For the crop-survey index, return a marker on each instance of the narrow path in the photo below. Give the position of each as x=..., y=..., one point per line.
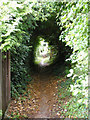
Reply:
x=46, y=92
x=39, y=100
x=46, y=96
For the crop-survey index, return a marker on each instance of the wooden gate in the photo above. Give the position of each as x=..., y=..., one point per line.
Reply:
x=5, y=80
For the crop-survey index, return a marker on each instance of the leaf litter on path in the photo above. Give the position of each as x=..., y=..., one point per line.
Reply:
x=40, y=99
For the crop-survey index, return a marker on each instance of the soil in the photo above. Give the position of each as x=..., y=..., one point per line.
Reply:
x=45, y=86
x=39, y=100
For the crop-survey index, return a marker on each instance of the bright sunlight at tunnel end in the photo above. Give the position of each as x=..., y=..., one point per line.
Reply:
x=44, y=54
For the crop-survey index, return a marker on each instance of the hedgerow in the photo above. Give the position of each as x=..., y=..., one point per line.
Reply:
x=18, y=21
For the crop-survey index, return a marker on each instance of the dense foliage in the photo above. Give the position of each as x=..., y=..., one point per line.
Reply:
x=19, y=66
x=18, y=21
x=76, y=36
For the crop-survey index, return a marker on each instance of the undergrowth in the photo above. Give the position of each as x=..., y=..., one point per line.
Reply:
x=71, y=106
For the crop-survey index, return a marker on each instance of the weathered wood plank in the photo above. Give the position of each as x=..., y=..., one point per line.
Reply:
x=0, y=83
x=5, y=81
x=4, y=84
x=8, y=76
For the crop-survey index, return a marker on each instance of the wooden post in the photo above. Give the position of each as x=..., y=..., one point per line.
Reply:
x=8, y=76
x=0, y=83
x=5, y=81
x=4, y=84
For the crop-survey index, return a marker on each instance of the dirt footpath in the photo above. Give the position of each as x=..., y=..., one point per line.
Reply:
x=39, y=100
x=45, y=88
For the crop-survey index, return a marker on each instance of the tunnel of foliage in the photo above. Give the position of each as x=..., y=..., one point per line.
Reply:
x=62, y=24
x=22, y=54
x=50, y=31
